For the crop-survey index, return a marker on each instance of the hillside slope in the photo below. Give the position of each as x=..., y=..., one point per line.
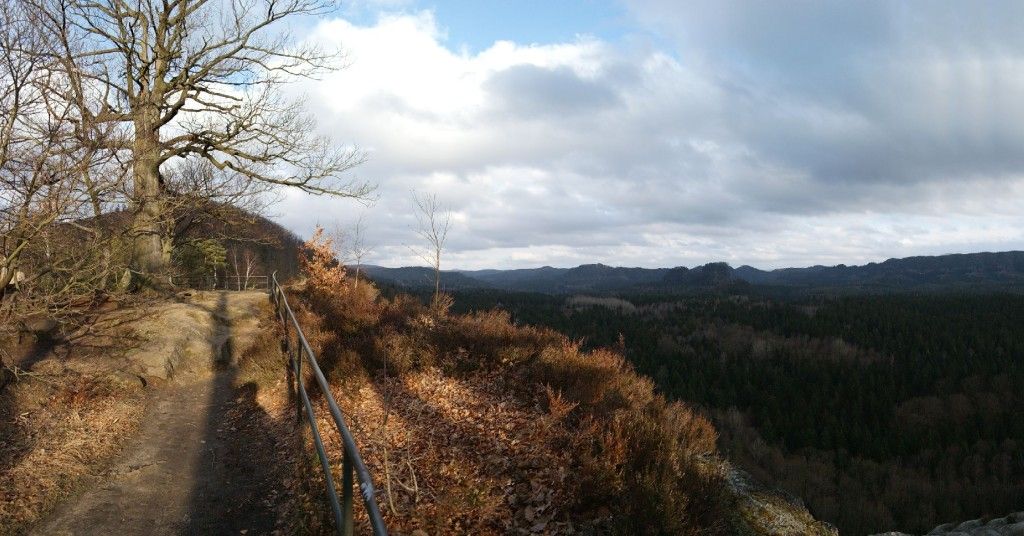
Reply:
x=468, y=423
x=471, y=424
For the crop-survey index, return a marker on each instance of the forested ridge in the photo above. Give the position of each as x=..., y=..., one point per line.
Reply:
x=891, y=412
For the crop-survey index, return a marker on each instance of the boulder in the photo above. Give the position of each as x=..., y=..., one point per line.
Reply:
x=968, y=525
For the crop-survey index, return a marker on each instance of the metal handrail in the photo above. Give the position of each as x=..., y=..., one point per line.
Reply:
x=224, y=282
x=350, y=459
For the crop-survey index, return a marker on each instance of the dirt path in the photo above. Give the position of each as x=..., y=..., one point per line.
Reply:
x=181, y=475
x=197, y=466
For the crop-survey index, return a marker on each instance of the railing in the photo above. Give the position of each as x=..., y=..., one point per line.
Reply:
x=246, y=282
x=350, y=458
x=224, y=282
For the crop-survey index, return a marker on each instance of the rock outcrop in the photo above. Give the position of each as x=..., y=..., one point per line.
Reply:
x=182, y=338
x=165, y=341
x=766, y=512
x=1011, y=525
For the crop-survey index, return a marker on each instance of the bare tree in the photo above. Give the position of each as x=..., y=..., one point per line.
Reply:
x=249, y=259
x=358, y=246
x=54, y=183
x=15, y=202
x=250, y=263
x=352, y=246
x=30, y=198
x=339, y=237
x=196, y=79
x=197, y=193
x=432, y=224
x=45, y=171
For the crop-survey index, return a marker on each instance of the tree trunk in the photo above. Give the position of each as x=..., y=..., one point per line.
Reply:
x=437, y=275
x=149, y=256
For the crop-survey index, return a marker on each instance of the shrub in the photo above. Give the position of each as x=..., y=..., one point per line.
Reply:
x=199, y=259
x=331, y=292
x=601, y=380
x=649, y=463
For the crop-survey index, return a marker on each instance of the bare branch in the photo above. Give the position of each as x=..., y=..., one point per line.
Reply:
x=433, y=222
x=182, y=80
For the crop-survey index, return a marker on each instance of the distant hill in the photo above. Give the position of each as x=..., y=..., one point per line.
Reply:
x=584, y=278
x=421, y=277
x=985, y=269
x=992, y=271
x=266, y=244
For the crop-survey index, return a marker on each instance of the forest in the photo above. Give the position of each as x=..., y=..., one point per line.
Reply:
x=881, y=412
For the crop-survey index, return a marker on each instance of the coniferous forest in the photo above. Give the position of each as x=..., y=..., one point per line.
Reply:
x=880, y=412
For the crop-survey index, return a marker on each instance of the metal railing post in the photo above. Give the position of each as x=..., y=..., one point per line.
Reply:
x=346, y=493
x=353, y=468
x=297, y=360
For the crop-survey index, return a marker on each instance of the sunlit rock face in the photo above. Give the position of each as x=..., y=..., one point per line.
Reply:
x=1011, y=525
x=765, y=512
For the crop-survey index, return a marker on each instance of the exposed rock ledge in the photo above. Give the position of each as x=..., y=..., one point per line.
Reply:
x=182, y=338
x=766, y=512
x=1011, y=525
x=169, y=341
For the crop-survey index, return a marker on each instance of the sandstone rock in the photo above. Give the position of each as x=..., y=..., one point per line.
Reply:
x=191, y=337
x=768, y=512
x=968, y=525
x=1011, y=525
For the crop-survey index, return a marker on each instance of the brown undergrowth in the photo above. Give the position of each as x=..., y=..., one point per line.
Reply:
x=62, y=419
x=263, y=412
x=471, y=424
x=66, y=419
x=57, y=428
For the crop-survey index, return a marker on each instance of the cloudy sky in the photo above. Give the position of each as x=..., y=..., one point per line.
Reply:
x=664, y=133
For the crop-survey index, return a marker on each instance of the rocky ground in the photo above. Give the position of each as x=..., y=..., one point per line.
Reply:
x=1011, y=525
x=127, y=425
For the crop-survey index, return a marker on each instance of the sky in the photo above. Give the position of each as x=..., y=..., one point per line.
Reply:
x=660, y=133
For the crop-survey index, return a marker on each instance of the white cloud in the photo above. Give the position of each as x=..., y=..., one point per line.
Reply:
x=622, y=153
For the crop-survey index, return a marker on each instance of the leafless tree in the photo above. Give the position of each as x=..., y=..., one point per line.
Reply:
x=249, y=259
x=352, y=245
x=30, y=194
x=54, y=182
x=358, y=246
x=432, y=224
x=197, y=193
x=174, y=80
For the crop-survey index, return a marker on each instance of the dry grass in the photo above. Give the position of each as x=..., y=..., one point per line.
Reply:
x=462, y=455
x=263, y=379
x=635, y=462
x=65, y=421
x=65, y=429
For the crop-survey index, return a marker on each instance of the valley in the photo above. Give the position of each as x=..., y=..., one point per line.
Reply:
x=881, y=412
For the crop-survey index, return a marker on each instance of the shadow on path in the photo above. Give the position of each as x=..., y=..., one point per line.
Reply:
x=233, y=485
x=201, y=464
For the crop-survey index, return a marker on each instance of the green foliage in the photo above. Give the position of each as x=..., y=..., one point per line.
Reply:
x=881, y=412
x=199, y=258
